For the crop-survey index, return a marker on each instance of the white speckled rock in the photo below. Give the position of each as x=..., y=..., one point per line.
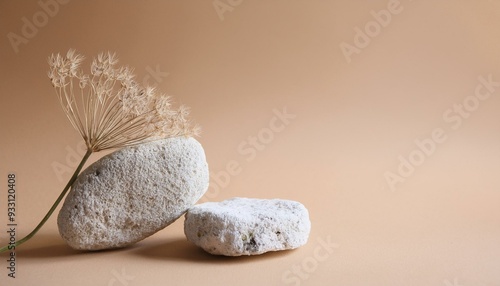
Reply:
x=132, y=193
x=242, y=226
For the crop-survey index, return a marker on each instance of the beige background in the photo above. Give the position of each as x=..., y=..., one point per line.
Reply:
x=441, y=226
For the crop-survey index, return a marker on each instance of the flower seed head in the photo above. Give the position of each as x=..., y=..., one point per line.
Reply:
x=109, y=108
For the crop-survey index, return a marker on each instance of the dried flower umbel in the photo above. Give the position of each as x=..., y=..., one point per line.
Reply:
x=110, y=110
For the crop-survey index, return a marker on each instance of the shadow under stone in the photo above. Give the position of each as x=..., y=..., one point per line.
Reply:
x=181, y=249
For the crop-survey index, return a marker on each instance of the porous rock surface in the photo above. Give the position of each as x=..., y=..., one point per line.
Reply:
x=132, y=193
x=244, y=226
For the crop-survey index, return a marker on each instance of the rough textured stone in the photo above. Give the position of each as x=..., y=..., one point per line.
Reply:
x=242, y=226
x=132, y=193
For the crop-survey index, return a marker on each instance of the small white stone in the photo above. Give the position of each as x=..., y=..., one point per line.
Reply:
x=132, y=193
x=243, y=226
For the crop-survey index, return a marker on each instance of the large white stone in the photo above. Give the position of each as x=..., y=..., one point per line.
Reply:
x=132, y=193
x=242, y=226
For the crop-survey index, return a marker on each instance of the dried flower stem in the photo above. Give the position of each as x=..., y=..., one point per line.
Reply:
x=54, y=206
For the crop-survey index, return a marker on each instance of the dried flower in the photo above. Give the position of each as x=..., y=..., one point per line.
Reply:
x=110, y=110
